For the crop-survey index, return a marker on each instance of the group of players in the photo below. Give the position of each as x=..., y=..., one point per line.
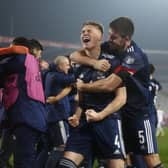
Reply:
x=103, y=101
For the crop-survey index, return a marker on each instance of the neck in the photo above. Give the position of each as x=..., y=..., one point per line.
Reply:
x=93, y=53
x=127, y=44
x=151, y=77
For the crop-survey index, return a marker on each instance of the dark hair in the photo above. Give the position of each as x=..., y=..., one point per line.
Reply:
x=123, y=25
x=95, y=24
x=151, y=68
x=35, y=44
x=21, y=41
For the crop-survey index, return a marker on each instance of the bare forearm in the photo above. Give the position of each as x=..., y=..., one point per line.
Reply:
x=104, y=85
x=78, y=112
x=116, y=104
x=63, y=93
x=80, y=59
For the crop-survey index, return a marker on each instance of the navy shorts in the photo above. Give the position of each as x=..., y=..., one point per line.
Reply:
x=103, y=139
x=57, y=133
x=139, y=135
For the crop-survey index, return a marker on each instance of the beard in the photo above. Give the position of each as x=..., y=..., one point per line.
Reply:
x=116, y=48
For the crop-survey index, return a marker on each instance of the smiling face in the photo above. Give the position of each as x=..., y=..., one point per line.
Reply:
x=120, y=33
x=91, y=36
x=116, y=41
x=64, y=65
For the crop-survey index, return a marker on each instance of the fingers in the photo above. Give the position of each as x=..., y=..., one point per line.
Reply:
x=105, y=65
x=48, y=100
x=89, y=116
x=102, y=65
x=79, y=80
x=70, y=118
x=73, y=121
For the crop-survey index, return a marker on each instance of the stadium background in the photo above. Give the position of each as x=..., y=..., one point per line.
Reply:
x=56, y=23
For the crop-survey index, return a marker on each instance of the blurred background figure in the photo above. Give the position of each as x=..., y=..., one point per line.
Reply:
x=160, y=116
x=155, y=85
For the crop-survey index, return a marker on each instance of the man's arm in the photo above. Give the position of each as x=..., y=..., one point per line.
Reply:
x=104, y=85
x=81, y=58
x=62, y=94
x=117, y=103
x=15, y=49
x=114, y=106
x=74, y=120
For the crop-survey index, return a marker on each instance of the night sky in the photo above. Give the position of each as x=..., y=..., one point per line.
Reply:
x=60, y=21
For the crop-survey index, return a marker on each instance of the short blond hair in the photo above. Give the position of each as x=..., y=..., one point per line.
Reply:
x=95, y=24
x=59, y=59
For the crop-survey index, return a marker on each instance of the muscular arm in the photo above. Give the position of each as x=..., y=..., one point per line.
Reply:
x=117, y=102
x=104, y=85
x=81, y=58
x=114, y=106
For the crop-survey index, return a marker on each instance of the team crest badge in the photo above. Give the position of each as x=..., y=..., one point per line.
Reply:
x=129, y=60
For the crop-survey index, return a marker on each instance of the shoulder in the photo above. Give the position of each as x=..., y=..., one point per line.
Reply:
x=77, y=53
x=134, y=55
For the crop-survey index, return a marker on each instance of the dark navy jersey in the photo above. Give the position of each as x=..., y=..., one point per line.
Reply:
x=72, y=101
x=96, y=101
x=154, y=87
x=25, y=110
x=55, y=82
x=134, y=61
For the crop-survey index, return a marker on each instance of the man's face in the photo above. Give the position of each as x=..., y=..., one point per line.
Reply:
x=116, y=41
x=37, y=53
x=64, y=66
x=90, y=37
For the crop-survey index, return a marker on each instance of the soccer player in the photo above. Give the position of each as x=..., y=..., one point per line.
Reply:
x=154, y=88
x=56, y=80
x=134, y=73
x=36, y=48
x=160, y=130
x=99, y=127
x=24, y=101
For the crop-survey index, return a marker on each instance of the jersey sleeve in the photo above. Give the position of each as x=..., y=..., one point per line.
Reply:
x=131, y=64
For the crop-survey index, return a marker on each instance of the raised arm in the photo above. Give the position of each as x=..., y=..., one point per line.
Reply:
x=104, y=85
x=81, y=58
x=114, y=106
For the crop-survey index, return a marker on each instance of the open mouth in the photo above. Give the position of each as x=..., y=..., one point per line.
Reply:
x=86, y=39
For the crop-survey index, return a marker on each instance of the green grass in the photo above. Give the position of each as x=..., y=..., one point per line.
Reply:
x=163, y=147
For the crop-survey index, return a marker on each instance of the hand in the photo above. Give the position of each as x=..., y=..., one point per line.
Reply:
x=93, y=116
x=73, y=121
x=102, y=65
x=79, y=84
x=51, y=100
